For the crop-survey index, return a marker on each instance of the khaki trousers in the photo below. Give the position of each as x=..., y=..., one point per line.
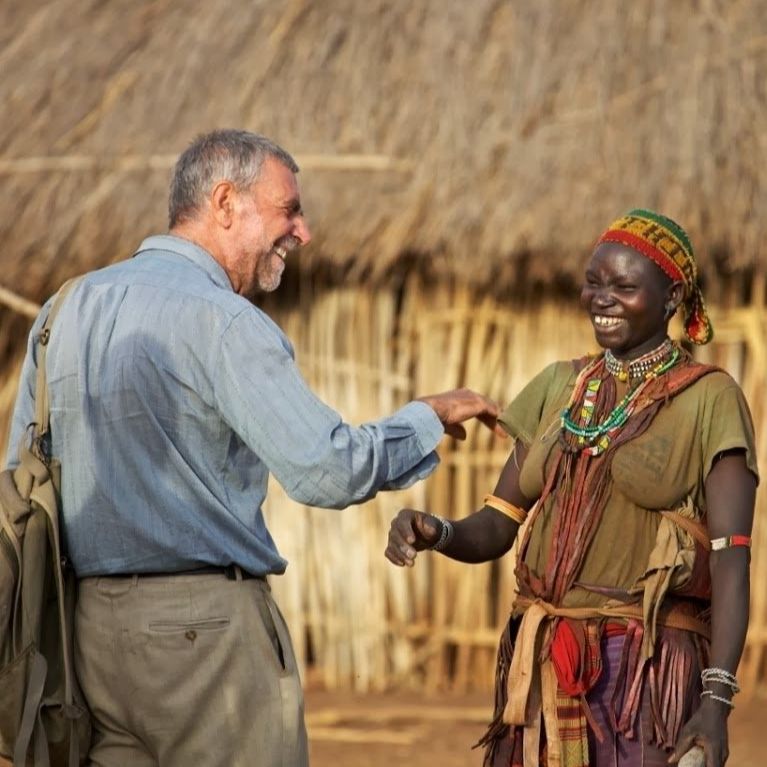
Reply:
x=188, y=671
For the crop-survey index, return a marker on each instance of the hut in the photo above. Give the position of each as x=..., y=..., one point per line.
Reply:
x=458, y=160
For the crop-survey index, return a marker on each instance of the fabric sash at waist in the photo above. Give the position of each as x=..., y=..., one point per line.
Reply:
x=532, y=685
x=673, y=616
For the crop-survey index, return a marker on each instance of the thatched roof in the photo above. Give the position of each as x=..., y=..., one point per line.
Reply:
x=488, y=140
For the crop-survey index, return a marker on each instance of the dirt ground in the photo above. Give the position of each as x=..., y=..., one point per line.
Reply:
x=351, y=730
x=347, y=730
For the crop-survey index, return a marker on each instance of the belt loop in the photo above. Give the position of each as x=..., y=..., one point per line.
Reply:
x=237, y=573
x=134, y=580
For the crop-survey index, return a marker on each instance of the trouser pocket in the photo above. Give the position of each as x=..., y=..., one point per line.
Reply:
x=268, y=619
x=204, y=624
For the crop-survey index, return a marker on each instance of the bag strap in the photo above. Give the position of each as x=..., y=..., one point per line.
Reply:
x=35, y=464
x=38, y=671
x=42, y=409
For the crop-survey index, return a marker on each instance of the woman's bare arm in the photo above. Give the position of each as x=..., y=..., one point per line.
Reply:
x=484, y=535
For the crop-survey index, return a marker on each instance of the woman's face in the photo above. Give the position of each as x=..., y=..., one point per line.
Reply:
x=627, y=297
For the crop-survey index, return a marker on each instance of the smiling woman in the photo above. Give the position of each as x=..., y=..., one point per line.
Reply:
x=637, y=467
x=629, y=300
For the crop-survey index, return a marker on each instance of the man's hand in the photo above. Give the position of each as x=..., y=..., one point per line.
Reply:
x=456, y=406
x=411, y=531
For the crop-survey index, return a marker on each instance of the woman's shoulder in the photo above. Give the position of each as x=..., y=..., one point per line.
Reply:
x=544, y=392
x=565, y=370
x=711, y=380
x=712, y=393
x=557, y=378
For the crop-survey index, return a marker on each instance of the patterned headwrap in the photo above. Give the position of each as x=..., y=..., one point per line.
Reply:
x=666, y=243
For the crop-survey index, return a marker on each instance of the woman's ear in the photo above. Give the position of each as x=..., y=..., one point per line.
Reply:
x=674, y=297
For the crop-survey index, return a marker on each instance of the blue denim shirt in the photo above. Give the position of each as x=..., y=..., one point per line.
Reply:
x=172, y=398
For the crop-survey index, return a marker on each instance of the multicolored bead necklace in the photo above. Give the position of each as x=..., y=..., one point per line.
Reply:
x=639, y=367
x=596, y=439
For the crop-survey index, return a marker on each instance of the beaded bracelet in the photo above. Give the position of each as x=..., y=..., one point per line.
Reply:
x=445, y=536
x=509, y=509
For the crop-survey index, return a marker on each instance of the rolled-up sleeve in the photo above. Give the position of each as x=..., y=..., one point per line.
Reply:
x=318, y=458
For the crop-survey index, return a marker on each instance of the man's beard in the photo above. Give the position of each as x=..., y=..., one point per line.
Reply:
x=269, y=272
x=271, y=266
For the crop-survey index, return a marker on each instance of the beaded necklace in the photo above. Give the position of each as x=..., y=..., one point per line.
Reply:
x=639, y=367
x=596, y=439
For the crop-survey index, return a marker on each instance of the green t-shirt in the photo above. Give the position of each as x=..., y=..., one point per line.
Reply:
x=657, y=470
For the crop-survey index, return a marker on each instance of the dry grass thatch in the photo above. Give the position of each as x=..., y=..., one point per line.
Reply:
x=488, y=139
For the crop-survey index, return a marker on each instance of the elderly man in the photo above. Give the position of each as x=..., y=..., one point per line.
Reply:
x=172, y=398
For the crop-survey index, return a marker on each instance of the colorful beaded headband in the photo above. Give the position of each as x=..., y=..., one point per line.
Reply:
x=666, y=243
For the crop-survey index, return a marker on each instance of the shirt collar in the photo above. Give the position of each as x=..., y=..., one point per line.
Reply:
x=189, y=250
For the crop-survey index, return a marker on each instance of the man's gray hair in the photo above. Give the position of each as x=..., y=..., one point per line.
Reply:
x=223, y=155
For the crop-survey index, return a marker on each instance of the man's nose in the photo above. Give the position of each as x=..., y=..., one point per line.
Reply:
x=301, y=230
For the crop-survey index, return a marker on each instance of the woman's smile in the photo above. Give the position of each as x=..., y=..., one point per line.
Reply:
x=606, y=321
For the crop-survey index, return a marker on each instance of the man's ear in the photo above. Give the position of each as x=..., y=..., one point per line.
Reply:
x=222, y=203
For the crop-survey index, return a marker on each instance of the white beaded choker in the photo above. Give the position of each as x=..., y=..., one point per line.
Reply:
x=639, y=367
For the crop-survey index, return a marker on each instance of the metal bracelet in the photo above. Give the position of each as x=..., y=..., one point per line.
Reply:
x=720, y=676
x=708, y=693
x=717, y=671
x=446, y=535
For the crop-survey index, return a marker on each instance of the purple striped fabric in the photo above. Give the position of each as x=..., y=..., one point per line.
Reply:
x=617, y=750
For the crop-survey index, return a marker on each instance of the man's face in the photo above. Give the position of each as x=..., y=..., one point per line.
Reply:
x=268, y=225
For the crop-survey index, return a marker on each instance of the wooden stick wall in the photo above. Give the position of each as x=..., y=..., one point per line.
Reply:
x=356, y=620
x=360, y=622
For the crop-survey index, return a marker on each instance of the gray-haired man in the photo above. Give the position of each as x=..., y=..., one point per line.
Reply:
x=173, y=397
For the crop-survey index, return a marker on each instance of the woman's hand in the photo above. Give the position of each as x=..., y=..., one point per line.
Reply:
x=706, y=728
x=411, y=531
x=481, y=537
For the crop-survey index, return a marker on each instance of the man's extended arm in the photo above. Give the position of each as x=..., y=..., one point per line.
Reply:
x=317, y=457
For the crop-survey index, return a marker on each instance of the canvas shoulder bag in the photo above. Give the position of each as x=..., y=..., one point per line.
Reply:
x=44, y=721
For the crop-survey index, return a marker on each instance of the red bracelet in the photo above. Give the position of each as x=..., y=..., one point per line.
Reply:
x=729, y=541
